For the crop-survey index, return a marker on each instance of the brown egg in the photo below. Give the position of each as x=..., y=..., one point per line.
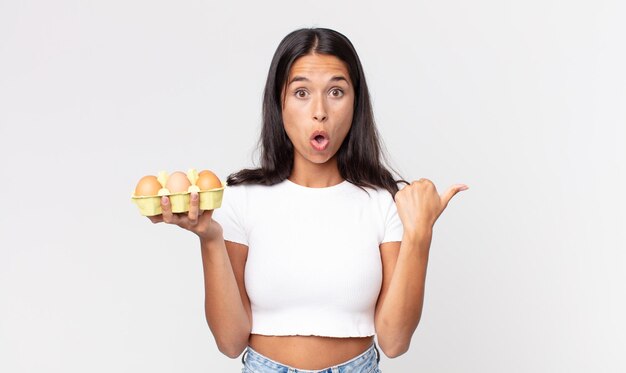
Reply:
x=147, y=186
x=178, y=182
x=208, y=180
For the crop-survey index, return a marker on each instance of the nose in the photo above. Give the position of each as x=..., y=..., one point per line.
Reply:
x=319, y=110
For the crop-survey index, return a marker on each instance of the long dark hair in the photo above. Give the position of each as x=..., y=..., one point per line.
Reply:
x=360, y=157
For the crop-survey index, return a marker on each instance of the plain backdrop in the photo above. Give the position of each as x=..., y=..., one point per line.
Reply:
x=524, y=101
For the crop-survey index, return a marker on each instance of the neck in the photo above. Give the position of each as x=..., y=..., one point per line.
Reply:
x=316, y=175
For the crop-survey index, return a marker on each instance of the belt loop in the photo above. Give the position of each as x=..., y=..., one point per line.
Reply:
x=377, y=354
x=243, y=356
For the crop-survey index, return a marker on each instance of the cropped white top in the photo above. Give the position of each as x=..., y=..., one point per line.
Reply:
x=313, y=264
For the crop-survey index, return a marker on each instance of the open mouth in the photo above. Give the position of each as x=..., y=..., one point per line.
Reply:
x=319, y=140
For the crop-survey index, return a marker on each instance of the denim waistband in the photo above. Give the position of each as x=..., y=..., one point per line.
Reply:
x=369, y=359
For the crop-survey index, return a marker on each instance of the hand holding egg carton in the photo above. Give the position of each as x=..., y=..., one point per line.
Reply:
x=178, y=187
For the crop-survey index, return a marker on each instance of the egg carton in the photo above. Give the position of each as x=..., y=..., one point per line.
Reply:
x=151, y=205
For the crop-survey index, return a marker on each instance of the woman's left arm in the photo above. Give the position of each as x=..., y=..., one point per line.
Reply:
x=400, y=302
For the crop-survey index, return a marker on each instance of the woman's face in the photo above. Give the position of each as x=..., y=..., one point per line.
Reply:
x=318, y=104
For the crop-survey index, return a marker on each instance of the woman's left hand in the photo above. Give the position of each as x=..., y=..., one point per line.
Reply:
x=419, y=205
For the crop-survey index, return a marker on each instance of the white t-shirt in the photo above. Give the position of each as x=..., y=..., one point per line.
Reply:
x=314, y=265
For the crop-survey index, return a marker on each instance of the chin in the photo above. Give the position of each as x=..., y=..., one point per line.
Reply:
x=319, y=159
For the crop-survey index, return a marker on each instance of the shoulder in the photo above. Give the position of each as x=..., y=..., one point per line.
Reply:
x=234, y=192
x=377, y=200
x=242, y=194
x=244, y=189
x=379, y=195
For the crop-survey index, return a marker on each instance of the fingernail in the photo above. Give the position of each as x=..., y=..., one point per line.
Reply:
x=194, y=196
x=164, y=200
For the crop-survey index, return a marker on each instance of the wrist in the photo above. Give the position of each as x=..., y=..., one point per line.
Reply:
x=418, y=240
x=211, y=235
x=206, y=243
x=418, y=235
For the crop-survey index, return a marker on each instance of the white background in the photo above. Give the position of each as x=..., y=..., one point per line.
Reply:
x=524, y=101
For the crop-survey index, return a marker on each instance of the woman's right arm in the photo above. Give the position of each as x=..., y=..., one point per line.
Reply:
x=228, y=318
x=225, y=313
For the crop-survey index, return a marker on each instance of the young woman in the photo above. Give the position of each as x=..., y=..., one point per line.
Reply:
x=309, y=256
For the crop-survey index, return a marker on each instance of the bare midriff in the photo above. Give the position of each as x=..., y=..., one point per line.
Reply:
x=309, y=352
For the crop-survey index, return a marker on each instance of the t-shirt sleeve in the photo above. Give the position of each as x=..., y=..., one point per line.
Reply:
x=230, y=215
x=393, y=225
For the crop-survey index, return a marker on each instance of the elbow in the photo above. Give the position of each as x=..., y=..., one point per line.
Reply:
x=232, y=344
x=394, y=350
x=232, y=350
x=231, y=341
x=394, y=342
x=394, y=339
x=232, y=353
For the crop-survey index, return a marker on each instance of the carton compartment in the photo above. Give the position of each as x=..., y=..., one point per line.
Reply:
x=151, y=206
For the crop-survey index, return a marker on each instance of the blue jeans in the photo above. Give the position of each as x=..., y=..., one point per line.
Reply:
x=367, y=362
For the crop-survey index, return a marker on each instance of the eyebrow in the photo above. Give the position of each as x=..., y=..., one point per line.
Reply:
x=335, y=78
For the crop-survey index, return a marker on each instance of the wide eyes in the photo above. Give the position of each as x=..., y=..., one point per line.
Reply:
x=336, y=92
x=333, y=92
